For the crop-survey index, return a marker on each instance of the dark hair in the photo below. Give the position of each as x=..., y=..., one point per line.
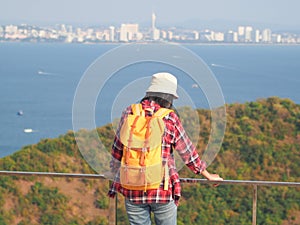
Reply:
x=161, y=101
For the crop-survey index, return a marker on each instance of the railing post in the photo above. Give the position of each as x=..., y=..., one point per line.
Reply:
x=112, y=212
x=116, y=209
x=254, y=206
x=112, y=209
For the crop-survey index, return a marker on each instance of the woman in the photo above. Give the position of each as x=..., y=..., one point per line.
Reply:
x=161, y=201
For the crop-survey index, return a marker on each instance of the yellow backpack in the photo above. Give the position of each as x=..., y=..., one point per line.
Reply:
x=141, y=164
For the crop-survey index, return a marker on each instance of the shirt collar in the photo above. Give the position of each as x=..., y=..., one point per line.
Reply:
x=152, y=105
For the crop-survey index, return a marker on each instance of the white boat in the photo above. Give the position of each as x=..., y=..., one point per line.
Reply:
x=41, y=72
x=28, y=130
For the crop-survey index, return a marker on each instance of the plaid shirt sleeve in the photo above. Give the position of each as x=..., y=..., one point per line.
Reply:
x=185, y=148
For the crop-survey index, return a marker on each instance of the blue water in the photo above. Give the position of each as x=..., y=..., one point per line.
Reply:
x=41, y=79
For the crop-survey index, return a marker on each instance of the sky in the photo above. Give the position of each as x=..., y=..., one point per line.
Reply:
x=222, y=13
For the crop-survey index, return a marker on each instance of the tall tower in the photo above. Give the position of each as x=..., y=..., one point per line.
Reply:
x=154, y=30
x=153, y=21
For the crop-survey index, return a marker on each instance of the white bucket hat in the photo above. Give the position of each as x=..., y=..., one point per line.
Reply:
x=163, y=83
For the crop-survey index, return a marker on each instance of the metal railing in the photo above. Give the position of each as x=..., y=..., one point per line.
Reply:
x=254, y=184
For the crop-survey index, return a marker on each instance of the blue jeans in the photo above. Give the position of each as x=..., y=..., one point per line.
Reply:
x=139, y=214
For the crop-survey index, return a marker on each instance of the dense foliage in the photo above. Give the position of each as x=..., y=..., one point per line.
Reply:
x=262, y=142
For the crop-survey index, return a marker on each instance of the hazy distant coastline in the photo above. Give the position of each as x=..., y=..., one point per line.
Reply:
x=133, y=32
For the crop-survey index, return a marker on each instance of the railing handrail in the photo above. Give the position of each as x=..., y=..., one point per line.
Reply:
x=253, y=183
x=52, y=174
x=242, y=182
x=184, y=180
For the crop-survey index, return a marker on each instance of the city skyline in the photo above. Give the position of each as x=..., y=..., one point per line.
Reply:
x=133, y=33
x=215, y=13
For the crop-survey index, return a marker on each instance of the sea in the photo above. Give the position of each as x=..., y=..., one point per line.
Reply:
x=39, y=82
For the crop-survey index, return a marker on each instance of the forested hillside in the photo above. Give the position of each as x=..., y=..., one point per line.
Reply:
x=262, y=142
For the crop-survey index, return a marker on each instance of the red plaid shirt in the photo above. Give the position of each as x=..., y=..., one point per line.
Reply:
x=174, y=137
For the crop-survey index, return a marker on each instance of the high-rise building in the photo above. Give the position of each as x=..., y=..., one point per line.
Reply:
x=230, y=36
x=155, y=32
x=248, y=34
x=196, y=35
x=218, y=36
x=257, y=36
x=266, y=35
x=163, y=34
x=241, y=33
x=112, y=33
x=241, y=30
x=170, y=35
x=130, y=32
x=63, y=29
x=276, y=38
x=123, y=33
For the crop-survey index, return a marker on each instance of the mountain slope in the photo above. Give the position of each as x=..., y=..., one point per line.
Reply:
x=262, y=142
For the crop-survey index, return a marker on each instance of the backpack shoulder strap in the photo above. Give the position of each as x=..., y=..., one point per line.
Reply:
x=137, y=109
x=162, y=112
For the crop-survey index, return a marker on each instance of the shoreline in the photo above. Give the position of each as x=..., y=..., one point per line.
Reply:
x=151, y=42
